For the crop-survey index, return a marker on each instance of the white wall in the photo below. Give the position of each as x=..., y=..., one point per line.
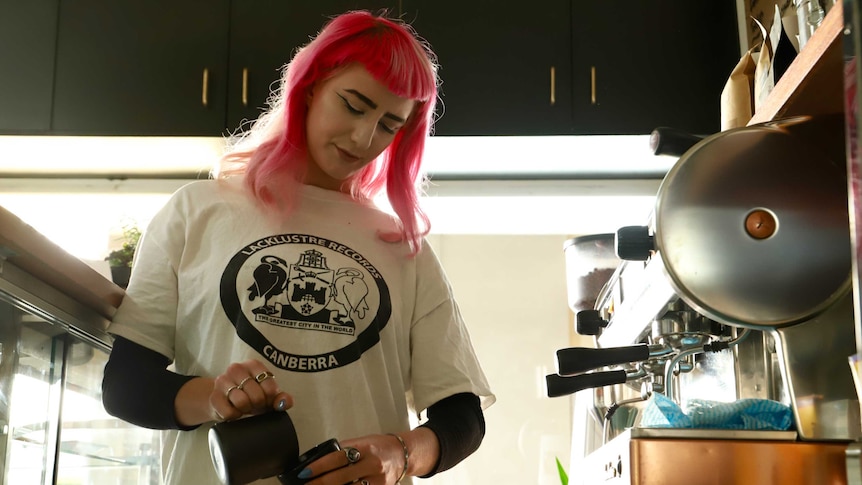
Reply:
x=511, y=291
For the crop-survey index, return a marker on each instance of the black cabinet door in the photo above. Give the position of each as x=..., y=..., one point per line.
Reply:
x=264, y=35
x=141, y=67
x=640, y=64
x=505, y=67
x=27, y=42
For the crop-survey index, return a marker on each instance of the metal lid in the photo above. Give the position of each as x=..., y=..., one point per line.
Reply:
x=713, y=215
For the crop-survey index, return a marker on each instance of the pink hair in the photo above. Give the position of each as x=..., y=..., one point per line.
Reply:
x=273, y=153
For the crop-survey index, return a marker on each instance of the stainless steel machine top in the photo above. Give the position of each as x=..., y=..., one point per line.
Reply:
x=752, y=226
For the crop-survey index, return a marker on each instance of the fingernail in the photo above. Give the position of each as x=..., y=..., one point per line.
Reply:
x=281, y=405
x=305, y=473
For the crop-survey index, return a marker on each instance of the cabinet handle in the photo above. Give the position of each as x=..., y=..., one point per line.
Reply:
x=205, y=88
x=245, y=86
x=593, y=84
x=553, y=85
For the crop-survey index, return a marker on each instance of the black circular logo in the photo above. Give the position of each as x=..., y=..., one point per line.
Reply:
x=304, y=283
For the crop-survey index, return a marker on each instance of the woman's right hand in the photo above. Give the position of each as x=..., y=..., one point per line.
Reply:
x=246, y=388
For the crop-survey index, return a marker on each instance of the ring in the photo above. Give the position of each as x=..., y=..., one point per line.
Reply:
x=365, y=482
x=352, y=455
x=242, y=382
x=263, y=376
x=231, y=388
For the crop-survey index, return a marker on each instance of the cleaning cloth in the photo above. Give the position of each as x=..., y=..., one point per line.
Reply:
x=754, y=414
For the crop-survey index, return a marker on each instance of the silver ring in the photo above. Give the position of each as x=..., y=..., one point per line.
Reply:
x=242, y=382
x=231, y=388
x=352, y=455
x=263, y=376
x=365, y=482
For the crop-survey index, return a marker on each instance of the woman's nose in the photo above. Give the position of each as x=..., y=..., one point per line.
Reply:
x=363, y=133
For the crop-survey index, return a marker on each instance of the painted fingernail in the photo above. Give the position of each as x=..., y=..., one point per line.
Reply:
x=305, y=473
x=281, y=405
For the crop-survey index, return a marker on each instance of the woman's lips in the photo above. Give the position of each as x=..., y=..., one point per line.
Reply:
x=347, y=155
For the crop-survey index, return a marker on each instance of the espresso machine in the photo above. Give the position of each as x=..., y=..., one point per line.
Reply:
x=736, y=288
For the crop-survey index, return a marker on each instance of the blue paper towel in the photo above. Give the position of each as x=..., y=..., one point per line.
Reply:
x=755, y=414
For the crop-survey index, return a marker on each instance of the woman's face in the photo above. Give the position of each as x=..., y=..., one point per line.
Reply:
x=351, y=119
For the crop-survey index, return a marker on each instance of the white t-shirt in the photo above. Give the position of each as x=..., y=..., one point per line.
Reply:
x=358, y=332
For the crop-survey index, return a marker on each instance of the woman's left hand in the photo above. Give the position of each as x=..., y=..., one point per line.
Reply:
x=380, y=462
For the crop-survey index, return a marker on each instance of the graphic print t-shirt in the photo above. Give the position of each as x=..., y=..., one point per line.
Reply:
x=331, y=310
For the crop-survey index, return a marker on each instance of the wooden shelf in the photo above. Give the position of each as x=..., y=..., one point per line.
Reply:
x=814, y=83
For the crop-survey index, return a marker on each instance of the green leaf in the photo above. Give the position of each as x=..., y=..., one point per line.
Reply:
x=564, y=478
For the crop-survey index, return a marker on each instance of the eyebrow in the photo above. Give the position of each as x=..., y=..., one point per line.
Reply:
x=365, y=99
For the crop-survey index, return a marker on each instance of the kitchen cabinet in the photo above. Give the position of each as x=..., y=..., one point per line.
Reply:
x=505, y=70
x=609, y=67
x=204, y=67
x=641, y=64
x=27, y=42
x=176, y=67
x=264, y=35
x=141, y=67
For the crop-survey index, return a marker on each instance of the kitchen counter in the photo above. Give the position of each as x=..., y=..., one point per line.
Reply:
x=41, y=277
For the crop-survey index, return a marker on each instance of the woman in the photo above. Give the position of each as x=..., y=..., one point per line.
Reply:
x=279, y=285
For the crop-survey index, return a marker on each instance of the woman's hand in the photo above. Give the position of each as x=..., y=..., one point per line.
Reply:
x=380, y=462
x=246, y=388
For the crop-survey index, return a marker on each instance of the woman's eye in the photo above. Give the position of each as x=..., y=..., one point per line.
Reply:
x=387, y=129
x=350, y=106
x=352, y=109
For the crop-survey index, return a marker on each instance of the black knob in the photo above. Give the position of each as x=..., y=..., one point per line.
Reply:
x=634, y=243
x=589, y=322
x=563, y=386
x=670, y=141
x=576, y=360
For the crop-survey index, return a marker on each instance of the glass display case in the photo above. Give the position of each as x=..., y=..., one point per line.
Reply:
x=54, y=428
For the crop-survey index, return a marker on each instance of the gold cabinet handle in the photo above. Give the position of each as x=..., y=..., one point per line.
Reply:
x=593, y=84
x=553, y=85
x=245, y=86
x=205, y=88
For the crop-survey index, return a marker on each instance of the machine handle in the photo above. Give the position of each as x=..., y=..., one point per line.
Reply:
x=670, y=141
x=589, y=322
x=563, y=386
x=634, y=243
x=576, y=360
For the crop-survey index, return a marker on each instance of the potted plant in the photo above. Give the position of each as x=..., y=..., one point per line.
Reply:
x=120, y=260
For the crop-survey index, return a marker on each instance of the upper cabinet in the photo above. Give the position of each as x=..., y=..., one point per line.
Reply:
x=141, y=67
x=264, y=35
x=641, y=64
x=608, y=67
x=208, y=67
x=27, y=41
x=176, y=67
x=505, y=69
